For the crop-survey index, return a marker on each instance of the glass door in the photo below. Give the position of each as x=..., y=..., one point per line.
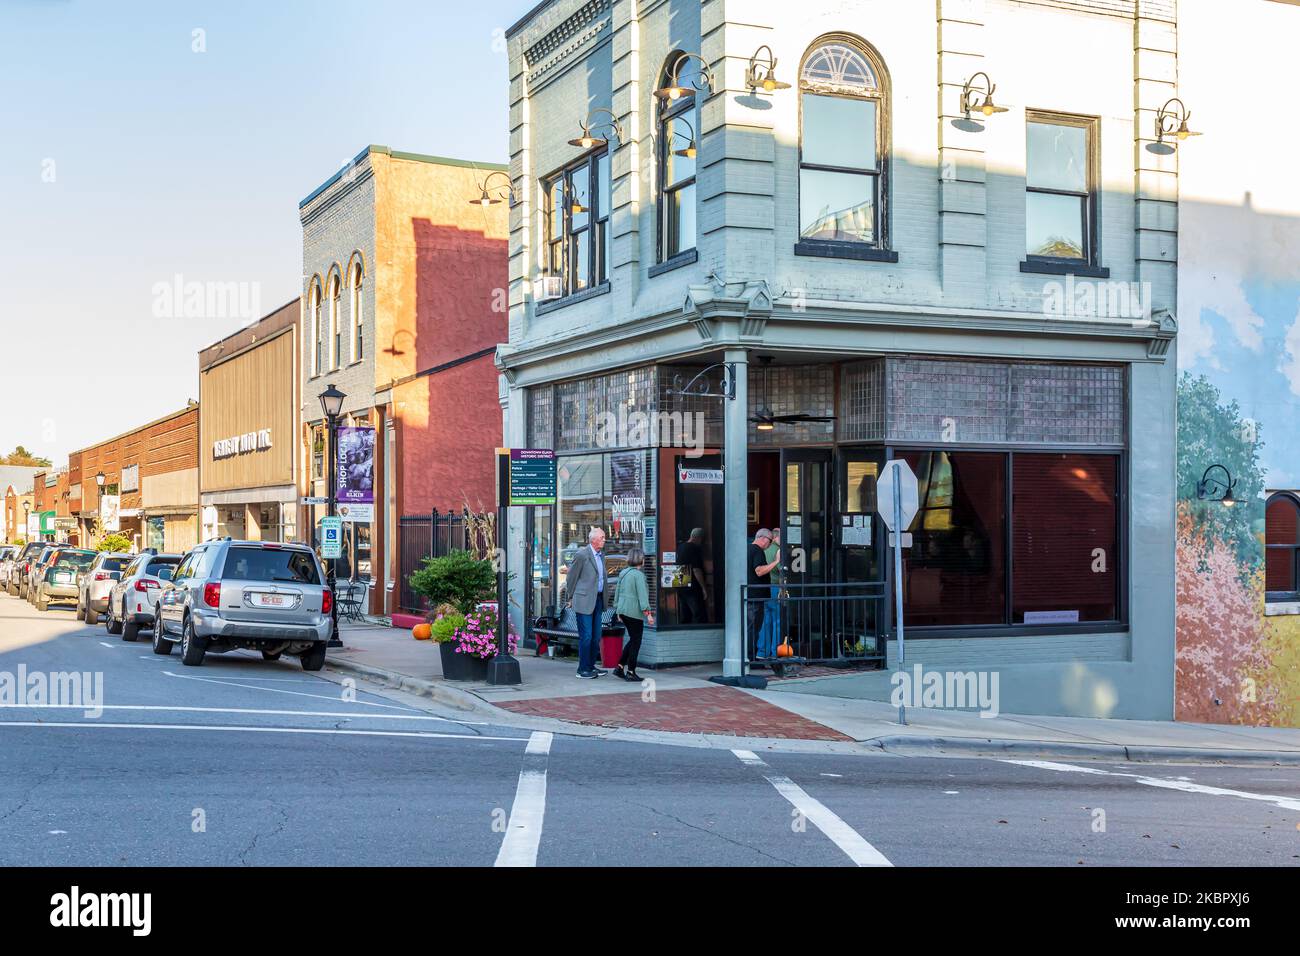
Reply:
x=805, y=550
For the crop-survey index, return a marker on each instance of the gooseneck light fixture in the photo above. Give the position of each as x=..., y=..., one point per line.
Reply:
x=1171, y=122
x=589, y=140
x=491, y=195
x=761, y=74
x=689, y=150
x=1213, y=488
x=977, y=97
x=674, y=89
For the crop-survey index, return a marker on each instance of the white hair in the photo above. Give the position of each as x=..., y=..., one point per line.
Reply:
x=591, y=535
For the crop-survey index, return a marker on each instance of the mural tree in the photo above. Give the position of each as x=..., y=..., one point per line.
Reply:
x=1211, y=432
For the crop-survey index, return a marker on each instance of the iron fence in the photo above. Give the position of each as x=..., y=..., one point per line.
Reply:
x=431, y=535
x=837, y=623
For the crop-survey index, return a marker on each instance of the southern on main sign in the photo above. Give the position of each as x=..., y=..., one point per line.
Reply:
x=896, y=472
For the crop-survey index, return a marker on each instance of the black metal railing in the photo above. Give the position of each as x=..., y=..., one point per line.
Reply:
x=431, y=535
x=835, y=623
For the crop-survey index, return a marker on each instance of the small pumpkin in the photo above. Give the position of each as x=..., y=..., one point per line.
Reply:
x=784, y=650
x=422, y=632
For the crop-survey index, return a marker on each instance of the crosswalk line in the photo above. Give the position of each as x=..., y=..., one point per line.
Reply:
x=524, y=829
x=822, y=817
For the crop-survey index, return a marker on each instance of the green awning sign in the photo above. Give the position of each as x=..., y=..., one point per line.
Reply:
x=47, y=522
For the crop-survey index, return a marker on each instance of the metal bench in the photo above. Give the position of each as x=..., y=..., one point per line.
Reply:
x=562, y=630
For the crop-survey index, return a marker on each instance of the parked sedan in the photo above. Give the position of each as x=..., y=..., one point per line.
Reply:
x=96, y=582
x=43, y=560
x=59, y=582
x=7, y=554
x=133, y=600
x=23, y=567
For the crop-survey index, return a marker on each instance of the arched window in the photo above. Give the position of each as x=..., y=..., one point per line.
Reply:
x=844, y=146
x=677, y=133
x=313, y=308
x=1282, y=548
x=355, y=280
x=336, y=321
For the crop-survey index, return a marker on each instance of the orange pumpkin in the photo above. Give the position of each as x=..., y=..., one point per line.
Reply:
x=422, y=632
x=784, y=650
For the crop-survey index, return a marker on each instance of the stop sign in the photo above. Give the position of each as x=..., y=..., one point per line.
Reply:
x=896, y=473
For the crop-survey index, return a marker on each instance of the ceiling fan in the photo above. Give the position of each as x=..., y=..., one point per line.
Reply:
x=765, y=421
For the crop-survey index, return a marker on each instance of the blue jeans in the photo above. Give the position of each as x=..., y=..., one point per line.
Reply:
x=769, y=634
x=589, y=635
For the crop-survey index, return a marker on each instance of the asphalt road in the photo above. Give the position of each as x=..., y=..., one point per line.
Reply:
x=248, y=762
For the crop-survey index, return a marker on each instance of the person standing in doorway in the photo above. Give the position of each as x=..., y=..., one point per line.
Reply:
x=586, y=585
x=770, y=636
x=757, y=569
x=632, y=601
x=695, y=597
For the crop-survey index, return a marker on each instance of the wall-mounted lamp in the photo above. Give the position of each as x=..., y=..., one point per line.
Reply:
x=674, y=90
x=977, y=97
x=689, y=150
x=589, y=140
x=488, y=198
x=1215, y=488
x=1171, y=123
x=761, y=74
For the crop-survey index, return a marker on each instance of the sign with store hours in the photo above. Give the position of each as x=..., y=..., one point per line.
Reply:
x=532, y=476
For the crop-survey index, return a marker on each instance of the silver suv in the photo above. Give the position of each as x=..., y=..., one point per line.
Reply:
x=257, y=595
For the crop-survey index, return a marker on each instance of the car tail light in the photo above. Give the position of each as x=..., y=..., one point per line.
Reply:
x=102, y=576
x=146, y=585
x=212, y=594
x=326, y=601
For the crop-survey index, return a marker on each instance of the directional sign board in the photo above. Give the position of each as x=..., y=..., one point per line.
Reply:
x=532, y=476
x=331, y=538
x=906, y=482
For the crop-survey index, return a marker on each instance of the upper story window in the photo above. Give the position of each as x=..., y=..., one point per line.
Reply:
x=678, y=142
x=1282, y=548
x=1060, y=189
x=355, y=279
x=336, y=321
x=844, y=145
x=313, y=308
x=576, y=224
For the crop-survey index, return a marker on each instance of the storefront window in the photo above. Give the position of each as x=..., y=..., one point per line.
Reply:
x=156, y=533
x=956, y=568
x=580, y=481
x=693, y=536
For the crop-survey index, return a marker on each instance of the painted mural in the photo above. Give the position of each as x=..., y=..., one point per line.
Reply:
x=1238, y=407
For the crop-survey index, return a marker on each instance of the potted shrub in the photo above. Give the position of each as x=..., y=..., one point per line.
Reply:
x=467, y=642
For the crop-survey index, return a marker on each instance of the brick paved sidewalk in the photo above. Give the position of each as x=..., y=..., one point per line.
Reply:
x=706, y=710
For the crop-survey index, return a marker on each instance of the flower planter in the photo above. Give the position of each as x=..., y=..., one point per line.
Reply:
x=462, y=666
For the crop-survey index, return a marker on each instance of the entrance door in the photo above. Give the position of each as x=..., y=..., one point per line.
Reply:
x=806, y=507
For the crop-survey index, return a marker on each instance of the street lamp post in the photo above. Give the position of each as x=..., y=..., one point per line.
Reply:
x=27, y=519
x=331, y=403
x=99, y=507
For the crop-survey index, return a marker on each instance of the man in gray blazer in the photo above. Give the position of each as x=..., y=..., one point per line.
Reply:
x=586, y=587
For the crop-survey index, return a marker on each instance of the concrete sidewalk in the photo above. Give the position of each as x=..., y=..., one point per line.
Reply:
x=681, y=705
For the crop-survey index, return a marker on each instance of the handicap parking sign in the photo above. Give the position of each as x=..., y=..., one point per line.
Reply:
x=331, y=538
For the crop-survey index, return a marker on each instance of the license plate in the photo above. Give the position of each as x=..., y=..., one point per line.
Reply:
x=272, y=600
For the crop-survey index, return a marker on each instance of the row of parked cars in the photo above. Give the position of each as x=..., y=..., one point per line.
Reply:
x=219, y=596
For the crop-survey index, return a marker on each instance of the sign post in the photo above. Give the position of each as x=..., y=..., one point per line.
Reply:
x=896, y=494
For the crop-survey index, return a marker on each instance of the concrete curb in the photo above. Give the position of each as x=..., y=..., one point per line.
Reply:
x=897, y=744
x=436, y=690
x=1129, y=753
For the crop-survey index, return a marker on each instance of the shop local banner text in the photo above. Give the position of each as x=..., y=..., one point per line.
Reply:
x=356, y=466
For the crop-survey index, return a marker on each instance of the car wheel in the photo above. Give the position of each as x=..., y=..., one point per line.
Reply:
x=92, y=616
x=81, y=612
x=111, y=624
x=42, y=603
x=271, y=655
x=130, y=631
x=314, y=659
x=160, y=643
x=192, y=646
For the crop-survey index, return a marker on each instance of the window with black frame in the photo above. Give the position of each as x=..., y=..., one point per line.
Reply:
x=678, y=144
x=1060, y=190
x=843, y=155
x=1282, y=548
x=576, y=223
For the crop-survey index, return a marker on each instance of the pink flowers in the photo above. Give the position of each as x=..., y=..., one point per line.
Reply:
x=478, y=635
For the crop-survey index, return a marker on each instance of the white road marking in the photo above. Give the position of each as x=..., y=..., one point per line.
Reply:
x=837, y=775
x=952, y=792
x=524, y=829
x=823, y=818
x=1181, y=783
x=101, y=725
x=276, y=690
x=247, y=710
x=57, y=832
x=105, y=644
